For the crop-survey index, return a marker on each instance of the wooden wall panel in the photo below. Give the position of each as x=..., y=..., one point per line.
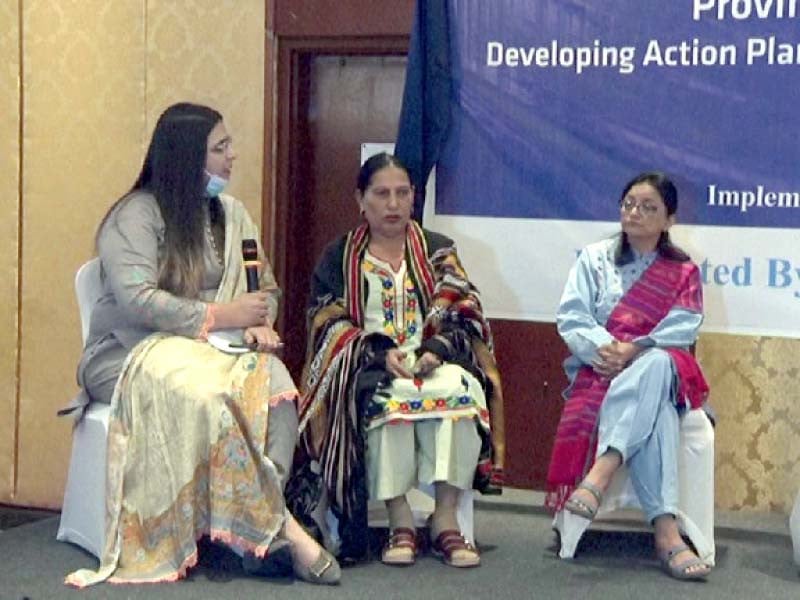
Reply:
x=334, y=18
x=95, y=76
x=9, y=239
x=529, y=356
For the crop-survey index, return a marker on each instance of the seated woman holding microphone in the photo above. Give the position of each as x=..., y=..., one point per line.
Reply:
x=630, y=312
x=200, y=438
x=399, y=380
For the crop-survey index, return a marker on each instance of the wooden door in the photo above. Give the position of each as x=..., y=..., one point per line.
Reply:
x=341, y=102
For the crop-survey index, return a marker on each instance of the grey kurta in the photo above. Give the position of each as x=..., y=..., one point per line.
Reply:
x=132, y=306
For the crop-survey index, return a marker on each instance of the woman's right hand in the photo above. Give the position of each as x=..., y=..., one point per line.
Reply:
x=395, y=363
x=265, y=337
x=248, y=310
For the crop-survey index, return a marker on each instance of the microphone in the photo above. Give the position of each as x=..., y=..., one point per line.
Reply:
x=251, y=263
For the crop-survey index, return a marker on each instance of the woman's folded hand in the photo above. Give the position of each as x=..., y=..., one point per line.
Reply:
x=395, y=363
x=614, y=357
x=426, y=364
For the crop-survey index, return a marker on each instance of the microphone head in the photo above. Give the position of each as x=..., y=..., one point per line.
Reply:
x=249, y=249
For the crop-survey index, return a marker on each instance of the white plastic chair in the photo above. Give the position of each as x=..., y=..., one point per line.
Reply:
x=696, y=488
x=83, y=509
x=794, y=528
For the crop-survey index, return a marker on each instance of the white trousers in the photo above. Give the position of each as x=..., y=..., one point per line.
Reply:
x=402, y=455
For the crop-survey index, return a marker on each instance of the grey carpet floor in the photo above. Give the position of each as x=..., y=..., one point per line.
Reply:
x=519, y=561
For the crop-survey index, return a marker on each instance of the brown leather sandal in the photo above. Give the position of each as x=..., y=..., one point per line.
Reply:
x=455, y=551
x=401, y=549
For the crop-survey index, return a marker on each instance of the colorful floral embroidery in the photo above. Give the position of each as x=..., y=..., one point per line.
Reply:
x=398, y=327
x=422, y=406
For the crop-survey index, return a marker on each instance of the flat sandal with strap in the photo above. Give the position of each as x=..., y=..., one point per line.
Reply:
x=325, y=570
x=681, y=570
x=450, y=541
x=578, y=507
x=401, y=548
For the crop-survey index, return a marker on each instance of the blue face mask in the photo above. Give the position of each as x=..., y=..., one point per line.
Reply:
x=214, y=185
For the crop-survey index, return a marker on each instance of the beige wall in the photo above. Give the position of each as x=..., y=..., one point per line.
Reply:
x=754, y=389
x=95, y=77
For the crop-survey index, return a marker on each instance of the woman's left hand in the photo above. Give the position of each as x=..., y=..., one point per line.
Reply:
x=263, y=335
x=426, y=364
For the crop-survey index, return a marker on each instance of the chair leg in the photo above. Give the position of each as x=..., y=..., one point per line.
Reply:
x=570, y=528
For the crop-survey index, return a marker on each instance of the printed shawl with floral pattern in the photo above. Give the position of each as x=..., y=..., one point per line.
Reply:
x=185, y=450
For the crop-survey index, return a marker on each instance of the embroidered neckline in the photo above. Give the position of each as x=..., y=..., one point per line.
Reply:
x=399, y=327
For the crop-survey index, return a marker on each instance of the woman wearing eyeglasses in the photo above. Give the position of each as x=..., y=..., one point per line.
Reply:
x=629, y=313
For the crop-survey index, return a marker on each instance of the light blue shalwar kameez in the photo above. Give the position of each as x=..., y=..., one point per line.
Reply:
x=639, y=415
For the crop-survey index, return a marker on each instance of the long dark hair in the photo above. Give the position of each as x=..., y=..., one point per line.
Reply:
x=174, y=173
x=669, y=194
x=374, y=164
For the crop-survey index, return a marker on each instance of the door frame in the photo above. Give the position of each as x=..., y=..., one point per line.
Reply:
x=285, y=140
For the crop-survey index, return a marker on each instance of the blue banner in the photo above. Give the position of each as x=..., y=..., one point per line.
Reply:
x=557, y=103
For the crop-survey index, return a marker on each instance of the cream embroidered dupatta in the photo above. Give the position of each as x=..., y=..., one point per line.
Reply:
x=186, y=443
